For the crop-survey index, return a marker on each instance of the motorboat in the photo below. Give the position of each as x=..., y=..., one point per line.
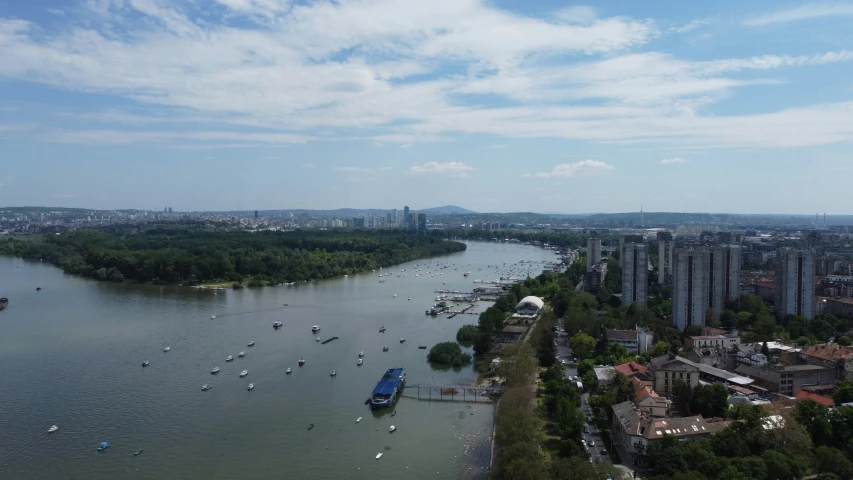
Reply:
x=276, y=325
x=146, y=363
x=104, y=446
x=391, y=429
x=301, y=362
x=384, y=349
x=241, y=354
x=244, y=373
x=136, y=453
x=402, y=340
x=422, y=347
x=229, y=358
x=213, y=317
x=360, y=361
x=251, y=386
x=360, y=354
x=310, y=426
x=251, y=344
x=382, y=328
x=289, y=370
x=395, y=295
x=315, y=329
x=379, y=455
x=358, y=419
x=334, y=373
x=167, y=349
x=394, y=413
x=205, y=387
x=214, y=371
x=318, y=339
x=52, y=429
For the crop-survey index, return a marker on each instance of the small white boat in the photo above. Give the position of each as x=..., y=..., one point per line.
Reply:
x=146, y=363
x=360, y=361
x=360, y=354
x=382, y=328
x=384, y=349
x=276, y=324
x=229, y=358
x=315, y=328
x=251, y=344
x=241, y=354
x=251, y=386
x=212, y=317
x=391, y=429
x=205, y=387
x=402, y=340
x=395, y=295
x=52, y=429
x=379, y=455
x=167, y=349
x=214, y=371
x=289, y=370
x=244, y=373
x=334, y=373
x=301, y=362
x=318, y=339
x=358, y=419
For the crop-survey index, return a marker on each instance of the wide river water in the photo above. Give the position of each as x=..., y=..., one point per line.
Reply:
x=71, y=355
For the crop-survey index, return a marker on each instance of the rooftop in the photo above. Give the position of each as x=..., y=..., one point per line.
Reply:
x=532, y=300
x=828, y=351
x=637, y=422
x=624, y=335
x=515, y=329
x=665, y=362
x=629, y=369
x=825, y=401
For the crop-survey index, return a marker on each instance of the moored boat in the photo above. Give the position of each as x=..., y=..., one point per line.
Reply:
x=334, y=373
x=391, y=429
x=3, y=303
x=289, y=370
x=388, y=389
x=382, y=328
x=276, y=325
x=205, y=387
x=301, y=362
x=241, y=354
x=244, y=373
x=402, y=340
x=167, y=349
x=104, y=446
x=229, y=358
x=384, y=349
x=251, y=386
x=251, y=344
x=146, y=363
x=360, y=361
x=137, y=452
x=214, y=371
x=315, y=329
x=360, y=354
x=52, y=429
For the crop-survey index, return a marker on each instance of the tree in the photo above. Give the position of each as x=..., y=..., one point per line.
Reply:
x=466, y=333
x=448, y=353
x=843, y=393
x=682, y=396
x=814, y=417
x=661, y=348
x=710, y=400
x=665, y=457
x=831, y=460
x=765, y=350
x=844, y=341
x=784, y=467
x=582, y=345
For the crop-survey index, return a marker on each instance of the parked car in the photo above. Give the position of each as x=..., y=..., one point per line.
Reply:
x=592, y=443
x=603, y=452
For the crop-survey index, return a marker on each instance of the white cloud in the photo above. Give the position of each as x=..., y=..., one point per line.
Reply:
x=584, y=167
x=803, y=12
x=690, y=26
x=406, y=145
x=308, y=165
x=673, y=161
x=457, y=168
x=258, y=72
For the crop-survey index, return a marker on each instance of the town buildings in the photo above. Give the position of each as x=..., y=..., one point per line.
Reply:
x=666, y=247
x=787, y=379
x=635, y=272
x=704, y=278
x=635, y=341
x=593, y=252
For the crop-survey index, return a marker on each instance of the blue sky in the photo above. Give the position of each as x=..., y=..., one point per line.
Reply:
x=723, y=106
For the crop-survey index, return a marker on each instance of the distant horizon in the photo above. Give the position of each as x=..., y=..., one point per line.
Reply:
x=400, y=209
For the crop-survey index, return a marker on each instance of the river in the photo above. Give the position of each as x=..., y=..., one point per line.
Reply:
x=71, y=355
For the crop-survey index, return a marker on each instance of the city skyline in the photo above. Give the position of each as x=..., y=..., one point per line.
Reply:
x=242, y=105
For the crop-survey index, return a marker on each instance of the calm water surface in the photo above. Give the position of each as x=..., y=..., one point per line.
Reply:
x=71, y=355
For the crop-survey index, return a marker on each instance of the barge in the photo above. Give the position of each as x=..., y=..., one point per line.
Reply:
x=390, y=386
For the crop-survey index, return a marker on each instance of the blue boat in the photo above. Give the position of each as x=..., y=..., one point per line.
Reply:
x=388, y=389
x=104, y=446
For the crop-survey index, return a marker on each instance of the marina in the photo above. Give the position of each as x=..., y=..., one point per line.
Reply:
x=99, y=334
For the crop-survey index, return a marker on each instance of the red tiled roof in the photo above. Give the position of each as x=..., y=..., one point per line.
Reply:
x=828, y=351
x=742, y=390
x=630, y=369
x=825, y=401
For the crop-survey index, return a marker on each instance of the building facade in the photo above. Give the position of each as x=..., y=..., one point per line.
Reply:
x=689, y=287
x=787, y=380
x=795, y=283
x=668, y=369
x=407, y=219
x=422, y=222
x=635, y=273
x=666, y=247
x=593, y=252
x=723, y=276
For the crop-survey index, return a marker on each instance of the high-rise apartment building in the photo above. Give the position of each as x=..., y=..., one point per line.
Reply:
x=689, y=287
x=422, y=222
x=723, y=276
x=394, y=216
x=666, y=245
x=635, y=272
x=406, y=218
x=593, y=252
x=795, y=283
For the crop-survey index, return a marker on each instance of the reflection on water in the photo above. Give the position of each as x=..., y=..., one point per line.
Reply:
x=71, y=355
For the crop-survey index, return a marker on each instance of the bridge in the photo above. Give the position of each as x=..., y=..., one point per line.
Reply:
x=452, y=393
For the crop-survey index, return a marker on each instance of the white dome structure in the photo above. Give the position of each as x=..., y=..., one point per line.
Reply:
x=530, y=306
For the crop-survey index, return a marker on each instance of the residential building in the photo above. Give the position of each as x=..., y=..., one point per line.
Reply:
x=723, y=276
x=726, y=341
x=422, y=222
x=593, y=252
x=689, y=287
x=604, y=374
x=666, y=246
x=635, y=430
x=394, y=218
x=647, y=399
x=840, y=307
x=624, y=240
x=795, y=283
x=667, y=369
x=829, y=355
x=635, y=341
x=407, y=219
x=787, y=379
x=633, y=369
x=635, y=272
x=595, y=277
x=713, y=356
x=825, y=401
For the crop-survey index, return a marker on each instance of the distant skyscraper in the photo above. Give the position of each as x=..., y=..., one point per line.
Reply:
x=635, y=272
x=256, y=214
x=665, y=251
x=170, y=209
x=593, y=252
x=795, y=283
x=406, y=219
x=689, y=287
x=394, y=216
x=624, y=240
x=422, y=222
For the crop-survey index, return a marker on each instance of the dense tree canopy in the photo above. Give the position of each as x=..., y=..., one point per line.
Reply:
x=192, y=253
x=448, y=353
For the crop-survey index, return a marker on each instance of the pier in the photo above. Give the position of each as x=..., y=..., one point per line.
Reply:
x=464, y=310
x=451, y=393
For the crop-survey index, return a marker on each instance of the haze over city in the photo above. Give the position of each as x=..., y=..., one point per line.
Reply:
x=741, y=107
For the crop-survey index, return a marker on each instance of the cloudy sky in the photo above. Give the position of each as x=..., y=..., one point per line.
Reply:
x=725, y=106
